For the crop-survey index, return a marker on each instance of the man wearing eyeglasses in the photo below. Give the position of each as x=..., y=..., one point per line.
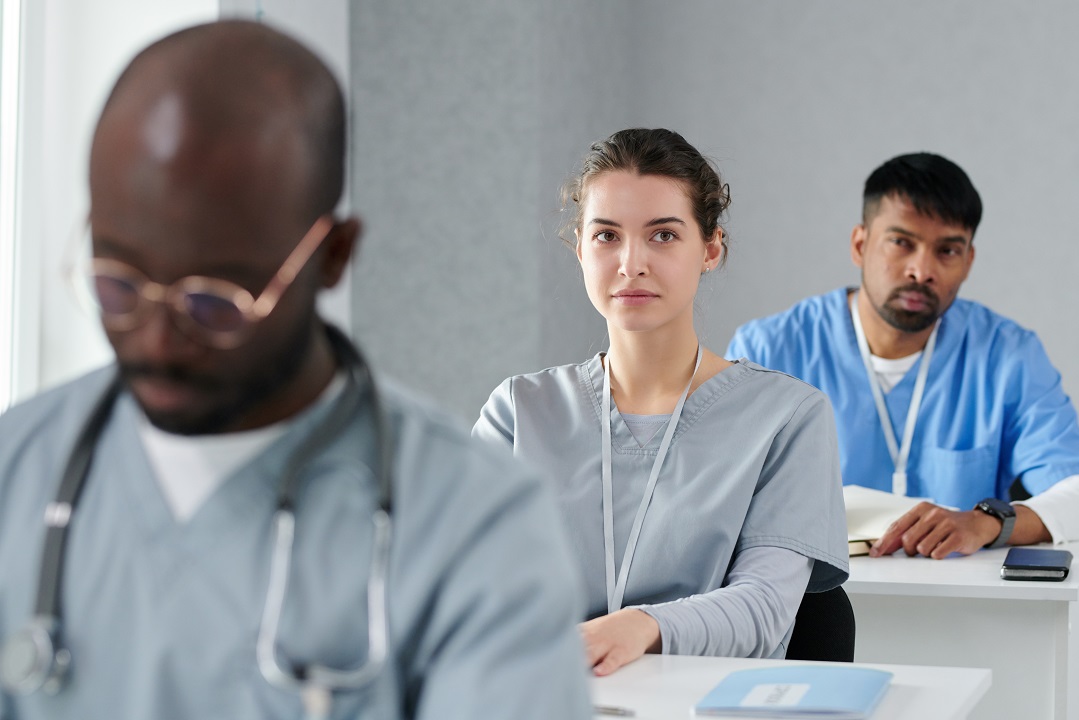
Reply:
x=243, y=525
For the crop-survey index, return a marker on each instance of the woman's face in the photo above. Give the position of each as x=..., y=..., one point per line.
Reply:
x=641, y=250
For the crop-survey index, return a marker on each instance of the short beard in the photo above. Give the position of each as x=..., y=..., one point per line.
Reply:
x=906, y=320
x=238, y=395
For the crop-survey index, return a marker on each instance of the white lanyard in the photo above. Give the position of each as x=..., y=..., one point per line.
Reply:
x=617, y=590
x=899, y=454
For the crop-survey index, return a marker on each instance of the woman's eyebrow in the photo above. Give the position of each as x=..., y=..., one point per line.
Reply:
x=665, y=221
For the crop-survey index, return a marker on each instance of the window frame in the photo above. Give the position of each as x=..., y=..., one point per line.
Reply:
x=10, y=52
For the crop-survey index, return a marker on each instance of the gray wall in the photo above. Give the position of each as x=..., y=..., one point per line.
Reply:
x=468, y=116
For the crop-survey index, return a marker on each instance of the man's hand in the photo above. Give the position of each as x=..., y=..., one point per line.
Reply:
x=617, y=639
x=937, y=532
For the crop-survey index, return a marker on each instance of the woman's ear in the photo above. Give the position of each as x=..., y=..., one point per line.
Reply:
x=715, y=251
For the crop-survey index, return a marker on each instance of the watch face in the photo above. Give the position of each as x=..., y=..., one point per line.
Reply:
x=997, y=508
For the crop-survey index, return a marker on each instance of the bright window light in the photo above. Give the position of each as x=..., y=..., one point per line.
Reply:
x=9, y=112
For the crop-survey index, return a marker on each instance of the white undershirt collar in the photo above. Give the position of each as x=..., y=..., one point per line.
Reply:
x=189, y=468
x=890, y=371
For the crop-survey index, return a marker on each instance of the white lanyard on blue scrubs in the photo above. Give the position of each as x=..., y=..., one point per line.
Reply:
x=899, y=454
x=617, y=590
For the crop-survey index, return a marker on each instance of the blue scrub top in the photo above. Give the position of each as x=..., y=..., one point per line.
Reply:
x=993, y=411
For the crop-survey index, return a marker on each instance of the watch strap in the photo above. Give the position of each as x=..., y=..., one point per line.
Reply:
x=1003, y=512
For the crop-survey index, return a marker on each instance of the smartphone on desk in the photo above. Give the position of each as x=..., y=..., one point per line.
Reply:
x=1024, y=563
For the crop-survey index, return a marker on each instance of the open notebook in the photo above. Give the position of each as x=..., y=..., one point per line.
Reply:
x=869, y=513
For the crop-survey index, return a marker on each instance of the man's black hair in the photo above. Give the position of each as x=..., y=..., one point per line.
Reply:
x=934, y=185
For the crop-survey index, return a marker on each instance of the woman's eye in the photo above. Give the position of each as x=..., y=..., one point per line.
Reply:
x=604, y=236
x=664, y=236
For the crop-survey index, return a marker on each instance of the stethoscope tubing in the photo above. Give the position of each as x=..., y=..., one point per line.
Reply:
x=47, y=666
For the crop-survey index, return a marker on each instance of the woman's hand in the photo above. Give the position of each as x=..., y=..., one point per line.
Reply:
x=620, y=638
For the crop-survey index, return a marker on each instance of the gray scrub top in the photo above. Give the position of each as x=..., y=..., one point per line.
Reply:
x=753, y=463
x=161, y=618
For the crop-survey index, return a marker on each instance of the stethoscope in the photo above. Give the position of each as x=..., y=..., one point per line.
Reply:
x=35, y=658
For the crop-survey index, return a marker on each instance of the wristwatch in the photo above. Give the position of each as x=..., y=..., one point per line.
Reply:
x=1001, y=511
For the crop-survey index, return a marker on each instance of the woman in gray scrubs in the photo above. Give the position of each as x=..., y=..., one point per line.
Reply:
x=702, y=496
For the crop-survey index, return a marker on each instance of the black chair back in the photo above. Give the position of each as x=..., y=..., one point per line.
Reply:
x=823, y=628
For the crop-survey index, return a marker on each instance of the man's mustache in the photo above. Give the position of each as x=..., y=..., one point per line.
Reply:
x=170, y=373
x=915, y=288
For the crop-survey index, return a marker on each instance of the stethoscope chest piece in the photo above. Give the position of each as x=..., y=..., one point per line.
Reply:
x=30, y=660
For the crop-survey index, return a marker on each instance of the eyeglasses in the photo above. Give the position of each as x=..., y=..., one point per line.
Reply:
x=215, y=312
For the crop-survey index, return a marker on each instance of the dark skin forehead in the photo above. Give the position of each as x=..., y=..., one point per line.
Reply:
x=942, y=231
x=232, y=73
x=202, y=157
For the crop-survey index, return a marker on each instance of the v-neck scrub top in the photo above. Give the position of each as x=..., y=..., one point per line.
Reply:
x=162, y=617
x=994, y=408
x=753, y=463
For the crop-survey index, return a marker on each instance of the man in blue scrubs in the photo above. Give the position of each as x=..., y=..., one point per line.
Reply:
x=934, y=396
x=215, y=169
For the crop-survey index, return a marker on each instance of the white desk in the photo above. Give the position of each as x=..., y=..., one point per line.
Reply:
x=661, y=687
x=958, y=612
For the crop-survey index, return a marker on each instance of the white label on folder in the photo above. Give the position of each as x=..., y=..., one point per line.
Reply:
x=775, y=695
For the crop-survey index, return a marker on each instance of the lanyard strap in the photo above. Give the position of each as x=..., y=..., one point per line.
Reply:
x=901, y=453
x=616, y=590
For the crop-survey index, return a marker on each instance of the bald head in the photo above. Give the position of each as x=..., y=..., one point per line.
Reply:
x=219, y=96
x=216, y=152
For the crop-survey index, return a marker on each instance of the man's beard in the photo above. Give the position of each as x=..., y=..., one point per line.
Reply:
x=911, y=321
x=236, y=395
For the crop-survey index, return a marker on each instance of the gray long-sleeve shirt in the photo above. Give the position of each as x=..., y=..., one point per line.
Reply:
x=752, y=465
